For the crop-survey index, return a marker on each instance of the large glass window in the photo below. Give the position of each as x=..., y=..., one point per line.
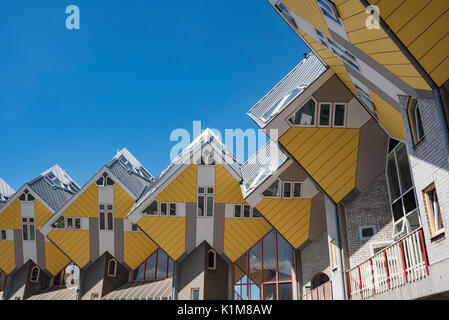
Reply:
x=306, y=115
x=401, y=191
x=156, y=267
x=106, y=217
x=265, y=271
x=28, y=229
x=273, y=190
x=205, y=204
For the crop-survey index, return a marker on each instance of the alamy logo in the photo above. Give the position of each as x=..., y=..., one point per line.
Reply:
x=372, y=22
x=73, y=20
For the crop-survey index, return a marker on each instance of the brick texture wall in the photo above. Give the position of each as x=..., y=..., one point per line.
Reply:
x=370, y=208
x=429, y=164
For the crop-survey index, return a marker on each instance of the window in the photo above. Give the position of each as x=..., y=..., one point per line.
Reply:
x=256, y=213
x=105, y=180
x=333, y=254
x=26, y=196
x=287, y=193
x=367, y=232
x=205, y=204
x=195, y=294
x=59, y=224
x=401, y=192
x=211, y=260
x=67, y=223
x=237, y=210
x=305, y=116
x=151, y=210
x=135, y=227
x=112, y=268
x=28, y=229
x=339, y=115
x=329, y=11
x=172, y=209
x=297, y=189
x=156, y=267
x=285, y=12
x=343, y=54
x=280, y=105
x=94, y=296
x=3, y=235
x=319, y=279
x=164, y=209
x=273, y=190
x=106, y=217
x=433, y=210
x=34, y=276
x=415, y=122
x=265, y=271
x=325, y=115
x=366, y=99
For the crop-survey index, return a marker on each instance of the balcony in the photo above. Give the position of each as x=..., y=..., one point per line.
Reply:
x=397, y=265
x=323, y=292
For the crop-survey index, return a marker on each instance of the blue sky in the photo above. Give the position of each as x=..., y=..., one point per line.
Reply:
x=135, y=71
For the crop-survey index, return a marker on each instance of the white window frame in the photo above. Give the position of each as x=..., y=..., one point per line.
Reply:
x=205, y=195
x=334, y=112
x=324, y=5
x=28, y=223
x=283, y=189
x=106, y=212
x=300, y=189
x=331, y=117
x=279, y=190
x=297, y=109
x=431, y=214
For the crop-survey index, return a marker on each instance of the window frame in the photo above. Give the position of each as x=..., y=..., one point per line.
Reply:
x=26, y=226
x=214, y=266
x=114, y=273
x=106, y=211
x=434, y=232
x=206, y=195
x=154, y=278
x=331, y=112
x=283, y=189
x=297, y=109
x=192, y=290
x=333, y=14
x=344, y=117
x=300, y=189
x=36, y=278
x=3, y=235
x=412, y=108
x=279, y=196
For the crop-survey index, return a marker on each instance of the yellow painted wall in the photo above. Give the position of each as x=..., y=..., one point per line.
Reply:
x=7, y=256
x=167, y=232
x=376, y=43
x=329, y=155
x=422, y=28
x=123, y=202
x=86, y=205
x=309, y=10
x=390, y=118
x=290, y=217
x=74, y=243
x=137, y=247
x=227, y=189
x=241, y=234
x=55, y=260
x=10, y=218
x=41, y=214
x=182, y=188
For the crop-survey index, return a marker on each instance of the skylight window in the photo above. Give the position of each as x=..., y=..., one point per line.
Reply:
x=328, y=11
x=279, y=106
x=252, y=183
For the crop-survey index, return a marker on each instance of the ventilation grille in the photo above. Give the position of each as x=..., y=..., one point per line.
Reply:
x=350, y=197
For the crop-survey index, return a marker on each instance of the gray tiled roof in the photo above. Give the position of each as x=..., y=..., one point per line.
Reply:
x=131, y=176
x=5, y=192
x=54, y=195
x=306, y=72
x=260, y=166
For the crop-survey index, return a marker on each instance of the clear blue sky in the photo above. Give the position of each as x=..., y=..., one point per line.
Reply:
x=135, y=71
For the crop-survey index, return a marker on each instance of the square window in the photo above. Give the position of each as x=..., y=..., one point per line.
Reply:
x=164, y=209
x=77, y=223
x=297, y=190
x=210, y=190
x=200, y=190
x=172, y=209
x=325, y=115
x=246, y=211
x=367, y=232
x=339, y=115
x=195, y=294
x=237, y=210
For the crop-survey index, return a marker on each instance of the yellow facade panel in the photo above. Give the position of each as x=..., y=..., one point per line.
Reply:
x=86, y=205
x=74, y=243
x=364, y=35
x=403, y=70
x=137, y=248
x=440, y=74
x=436, y=55
x=227, y=188
x=290, y=217
x=309, y=10
x=123, y=202
x=378, y=46
x=167, y=232
x=422, y=21
x=429, y=38
x=41, y=213
x=404, y=13
x=183, y=188
x=385, y=58
x=241, y=234
x=329, y=155
x=55, y=260
x=387, y=7
x=7, y=256
x=390, y=118
x=348, y=8
x=416, y=82
x=355, y=22
x=10, y=218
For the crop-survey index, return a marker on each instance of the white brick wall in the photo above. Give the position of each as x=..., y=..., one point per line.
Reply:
x=429, y=163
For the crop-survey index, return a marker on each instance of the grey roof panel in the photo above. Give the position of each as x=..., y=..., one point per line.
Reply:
x=307, y=71
x=5, y=192
x=131, y=180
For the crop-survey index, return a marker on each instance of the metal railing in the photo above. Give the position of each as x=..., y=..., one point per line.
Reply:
x=403, y=262
x=323, y=292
